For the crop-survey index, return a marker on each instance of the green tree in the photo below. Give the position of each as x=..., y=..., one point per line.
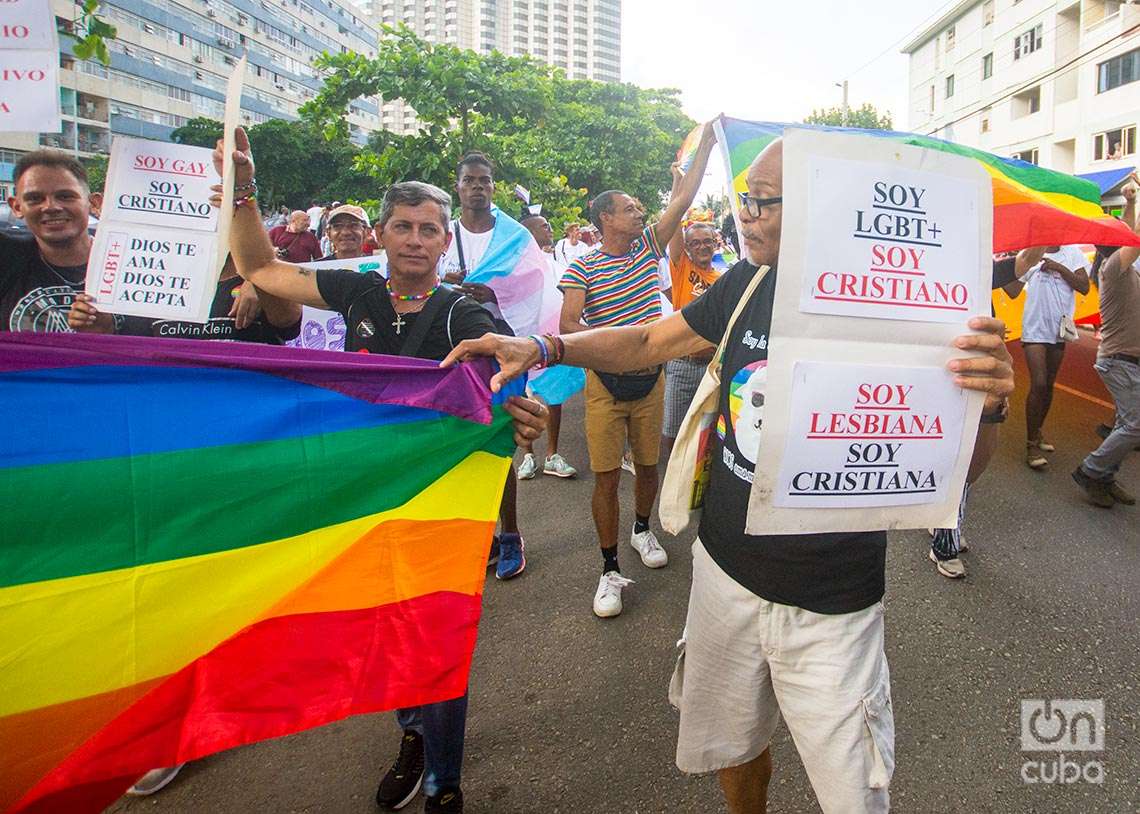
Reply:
x=561, y=139
x=866, y=117
x=96, y=167
x=198, y=132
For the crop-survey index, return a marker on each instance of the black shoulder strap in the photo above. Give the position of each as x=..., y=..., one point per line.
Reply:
x=441, y=298
x=459, y=247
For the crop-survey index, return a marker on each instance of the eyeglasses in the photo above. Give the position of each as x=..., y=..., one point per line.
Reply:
x=753, y=204
x=701, y=244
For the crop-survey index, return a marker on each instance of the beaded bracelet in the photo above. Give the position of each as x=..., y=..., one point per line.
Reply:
x=541, y=349
x=558, y=348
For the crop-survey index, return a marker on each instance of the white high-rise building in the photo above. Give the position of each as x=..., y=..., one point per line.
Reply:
x=1054, y=82
x=582, y=37
x=170, y=60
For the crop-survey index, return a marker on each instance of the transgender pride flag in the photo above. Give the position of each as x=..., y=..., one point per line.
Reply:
x=524, y=281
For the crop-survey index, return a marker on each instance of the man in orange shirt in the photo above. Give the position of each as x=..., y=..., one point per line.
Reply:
x=691, y=253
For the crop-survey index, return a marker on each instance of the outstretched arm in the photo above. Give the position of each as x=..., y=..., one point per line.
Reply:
x=685, y=190
x=605, y=349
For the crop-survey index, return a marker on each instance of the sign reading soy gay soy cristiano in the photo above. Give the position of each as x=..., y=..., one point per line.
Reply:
x=887, y=244
x=885, y=255
x=156, y=247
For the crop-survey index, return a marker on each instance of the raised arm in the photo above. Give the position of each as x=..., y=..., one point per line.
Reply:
x=677, y=241
x=1128, y=254
x=253, y=254
x=685, y=190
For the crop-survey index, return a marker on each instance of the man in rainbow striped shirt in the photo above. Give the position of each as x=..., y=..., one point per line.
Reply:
x=618, y=285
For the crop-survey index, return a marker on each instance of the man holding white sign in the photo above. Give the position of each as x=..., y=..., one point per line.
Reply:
x=789, y=624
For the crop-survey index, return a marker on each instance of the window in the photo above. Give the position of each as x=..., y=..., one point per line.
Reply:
x=949, y=39
x=987, y=13
x=1114, y=144
x=949, y=86
x=1118, y=71
x=932, y=98
x=1027, y=43
x=984, y=123
x=1025, y=103
x=1029, y=155
x=988, y=65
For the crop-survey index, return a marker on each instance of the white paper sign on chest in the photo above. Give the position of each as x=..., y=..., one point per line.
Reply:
x=885, y=255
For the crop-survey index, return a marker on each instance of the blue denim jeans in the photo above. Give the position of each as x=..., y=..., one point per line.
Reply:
x=1122, y=380
x=442, y=726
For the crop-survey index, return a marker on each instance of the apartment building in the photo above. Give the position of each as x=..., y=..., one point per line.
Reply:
x=171, y=59
x=582, y=37
x=1053, y=82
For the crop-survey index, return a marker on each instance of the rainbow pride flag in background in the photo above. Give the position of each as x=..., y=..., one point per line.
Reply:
x=1033, y=206
x=207, y=544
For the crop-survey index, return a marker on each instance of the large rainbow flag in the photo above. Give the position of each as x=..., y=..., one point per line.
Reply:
x=207, y=544
x=1033, y=206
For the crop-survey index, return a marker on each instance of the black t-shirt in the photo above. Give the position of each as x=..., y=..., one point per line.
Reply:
x=219, y=327
x=370, y=319
x=35, y=296
x=823, y=573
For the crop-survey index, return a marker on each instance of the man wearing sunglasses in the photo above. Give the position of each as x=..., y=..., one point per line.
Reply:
x=778, y=625
x=691, y=274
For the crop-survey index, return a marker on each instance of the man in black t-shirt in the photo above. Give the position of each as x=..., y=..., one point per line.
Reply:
x=777, y=625
x=407, y=314
x=40, y=275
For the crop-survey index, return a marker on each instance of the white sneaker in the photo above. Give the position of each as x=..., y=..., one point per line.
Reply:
x=652, y=554
x=607, y=600
x=528, y=467
x=556, y=465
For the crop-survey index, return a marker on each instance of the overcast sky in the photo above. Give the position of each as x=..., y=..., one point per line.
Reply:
x=773, y=59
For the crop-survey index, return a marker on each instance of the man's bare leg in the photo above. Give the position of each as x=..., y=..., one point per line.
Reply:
x=508, y=509
x=644, y=490
x=746, y=787
x=605, y=507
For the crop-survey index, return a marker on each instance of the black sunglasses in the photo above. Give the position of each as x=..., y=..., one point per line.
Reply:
x=754, y=204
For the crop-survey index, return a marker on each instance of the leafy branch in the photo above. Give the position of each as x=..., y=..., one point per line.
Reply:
x=91, y=33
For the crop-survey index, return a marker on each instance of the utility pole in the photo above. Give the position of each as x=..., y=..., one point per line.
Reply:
x=846, y=109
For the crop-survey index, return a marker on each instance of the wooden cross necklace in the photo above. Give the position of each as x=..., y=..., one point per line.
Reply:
x=399, y=324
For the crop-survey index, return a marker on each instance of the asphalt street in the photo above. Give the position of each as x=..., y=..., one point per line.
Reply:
x=569, y=713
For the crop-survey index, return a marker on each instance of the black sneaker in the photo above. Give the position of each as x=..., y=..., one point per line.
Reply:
x=448, y=800
x=402, y=782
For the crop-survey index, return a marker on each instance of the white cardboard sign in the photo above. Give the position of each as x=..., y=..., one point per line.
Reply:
x=29, y=92
x=160, y=247
x=887, y=247
x=27, y=25
x=863, y=426
x=869, y=435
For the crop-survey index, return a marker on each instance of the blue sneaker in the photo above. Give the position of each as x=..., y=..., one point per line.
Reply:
x=493, y=557
x=512, y=560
